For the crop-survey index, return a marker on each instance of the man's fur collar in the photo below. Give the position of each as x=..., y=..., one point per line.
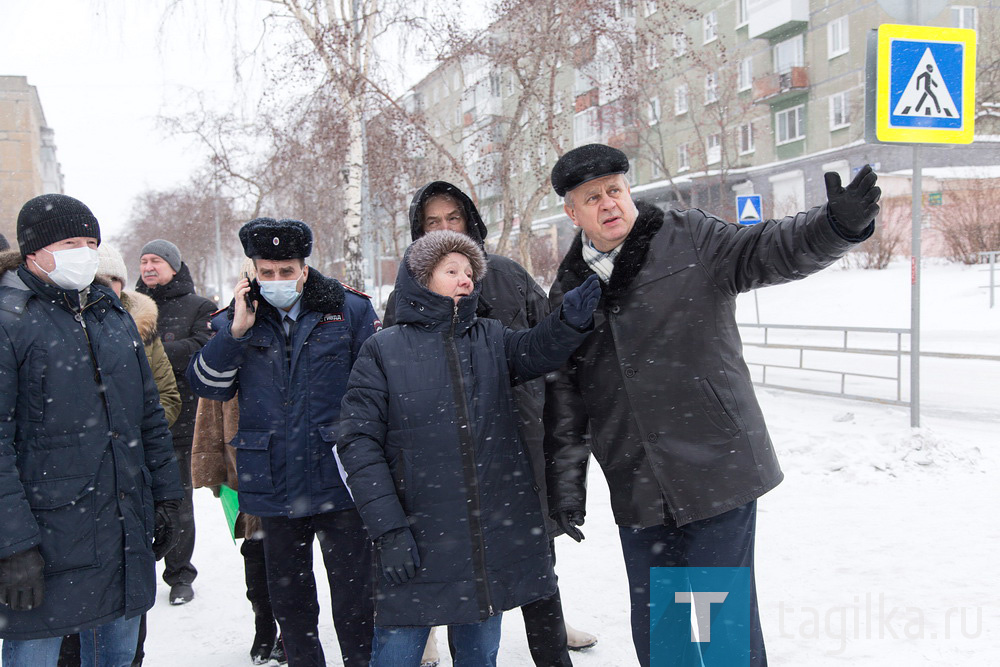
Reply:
x=319, y=294
x=574, y=270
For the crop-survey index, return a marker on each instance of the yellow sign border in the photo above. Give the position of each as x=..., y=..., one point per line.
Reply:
x=887, y=32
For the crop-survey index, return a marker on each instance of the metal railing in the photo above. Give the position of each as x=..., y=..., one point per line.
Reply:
x=805, y=347
x=991, y=258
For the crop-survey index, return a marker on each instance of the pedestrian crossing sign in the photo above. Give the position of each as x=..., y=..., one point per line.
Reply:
x=748, y=209
x=926, y=79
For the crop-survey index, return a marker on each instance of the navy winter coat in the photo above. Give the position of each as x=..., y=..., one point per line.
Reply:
x=429, y=437
x=288, y=415
x=80, y=467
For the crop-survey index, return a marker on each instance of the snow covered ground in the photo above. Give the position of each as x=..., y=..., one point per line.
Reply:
x=878, y=549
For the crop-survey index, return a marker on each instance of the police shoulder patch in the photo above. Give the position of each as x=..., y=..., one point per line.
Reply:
x=356, y=291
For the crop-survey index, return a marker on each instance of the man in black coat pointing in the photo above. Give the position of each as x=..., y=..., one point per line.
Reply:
x=659, y=392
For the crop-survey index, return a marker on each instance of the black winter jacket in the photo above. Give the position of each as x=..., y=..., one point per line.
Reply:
x=184, y=326
x=660, y=392
x=84, y=453
x=429, y=438
x=511, y=295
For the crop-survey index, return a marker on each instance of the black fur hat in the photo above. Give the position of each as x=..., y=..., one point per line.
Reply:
x=585, y=164
x=429, y=249
x=267, y=238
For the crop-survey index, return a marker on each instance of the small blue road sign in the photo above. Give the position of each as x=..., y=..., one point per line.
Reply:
x=749, y=209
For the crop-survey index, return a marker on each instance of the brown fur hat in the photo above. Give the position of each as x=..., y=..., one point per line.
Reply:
x=427, y=251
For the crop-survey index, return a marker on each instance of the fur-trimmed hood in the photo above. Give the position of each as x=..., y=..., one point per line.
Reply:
x=9, y=261
x=144, y=311
x=574, y=269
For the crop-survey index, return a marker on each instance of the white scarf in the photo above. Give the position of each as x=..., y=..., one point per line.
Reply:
x=601, y=263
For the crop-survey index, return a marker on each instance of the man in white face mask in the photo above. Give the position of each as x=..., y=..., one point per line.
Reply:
x=287, y=344
x=82, y=429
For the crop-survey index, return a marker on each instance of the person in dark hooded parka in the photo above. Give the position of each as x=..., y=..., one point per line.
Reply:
x=430, y=440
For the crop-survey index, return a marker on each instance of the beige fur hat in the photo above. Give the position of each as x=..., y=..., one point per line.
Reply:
x=429, y=249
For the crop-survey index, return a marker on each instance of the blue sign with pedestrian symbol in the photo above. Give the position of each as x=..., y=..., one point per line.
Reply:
x=925, y=89
x=931, y=94
x=749, y=209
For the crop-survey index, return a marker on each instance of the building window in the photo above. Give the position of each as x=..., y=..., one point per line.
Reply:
x=963, y=17
x=494, y=84
x=788, y=54
x=648, y=7
x=713, y=148
x=651, y=60
x=680, y=99
x=683, y=159
x=746, y=138
x=836, y=37
x=680, y=44
x=742, y=13
x=711, y=87
x=655, y=170
x=840, y=115
x=745, y=77
x=790, y=124
x=653, y=110
x=625, y=9
x=710, y=23
x=586, y=126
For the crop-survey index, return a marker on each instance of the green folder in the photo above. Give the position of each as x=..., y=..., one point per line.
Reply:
x=231, y=507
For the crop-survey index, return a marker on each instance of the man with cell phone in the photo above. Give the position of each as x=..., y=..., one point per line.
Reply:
x=286, y=344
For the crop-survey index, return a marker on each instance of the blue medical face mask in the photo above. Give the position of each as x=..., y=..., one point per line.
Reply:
x=280, y=293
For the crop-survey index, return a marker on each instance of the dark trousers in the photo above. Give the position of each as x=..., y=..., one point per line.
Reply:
x=721, y=541
x=177, y=567
x=546, y=628
x=347, y=555
x=255, y=573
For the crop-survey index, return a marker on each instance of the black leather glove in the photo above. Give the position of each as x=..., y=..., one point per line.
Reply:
x=579, y=303
x=165, y=533
x=853, y=208
x=22, y=581
x=568, y=520
x=397, y=555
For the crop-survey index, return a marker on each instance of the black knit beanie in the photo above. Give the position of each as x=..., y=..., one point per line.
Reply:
x=50, y=218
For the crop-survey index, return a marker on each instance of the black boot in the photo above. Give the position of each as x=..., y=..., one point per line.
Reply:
x=278, y=652
x=263, y=641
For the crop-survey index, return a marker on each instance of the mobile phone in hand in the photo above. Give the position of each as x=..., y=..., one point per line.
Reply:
x=249, y=295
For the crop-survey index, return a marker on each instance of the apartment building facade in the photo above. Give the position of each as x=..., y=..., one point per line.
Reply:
x=711, y=100
x=28, y=162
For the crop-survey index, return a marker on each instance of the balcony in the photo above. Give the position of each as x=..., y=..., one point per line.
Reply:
x=776, y=87
x=770, y=18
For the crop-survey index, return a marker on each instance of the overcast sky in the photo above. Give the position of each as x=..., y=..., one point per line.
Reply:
x=106, y=69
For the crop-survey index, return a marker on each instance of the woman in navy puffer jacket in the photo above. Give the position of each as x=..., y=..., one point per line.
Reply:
x=430, y=441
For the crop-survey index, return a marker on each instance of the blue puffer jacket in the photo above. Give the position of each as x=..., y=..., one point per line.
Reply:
x=80, y=467
x=288, y=415
x=429, y=437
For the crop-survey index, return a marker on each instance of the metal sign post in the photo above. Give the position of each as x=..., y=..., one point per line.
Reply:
x=920, y=88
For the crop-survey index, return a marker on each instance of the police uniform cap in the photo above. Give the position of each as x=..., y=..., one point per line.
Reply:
x=585, y=164
x=267, y=238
